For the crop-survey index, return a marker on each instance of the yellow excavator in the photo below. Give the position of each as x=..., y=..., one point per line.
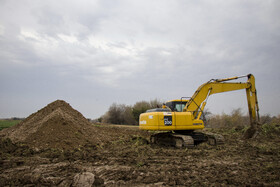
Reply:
x=180, y=118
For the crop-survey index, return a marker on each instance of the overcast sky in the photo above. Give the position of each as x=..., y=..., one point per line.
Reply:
x=92, y=53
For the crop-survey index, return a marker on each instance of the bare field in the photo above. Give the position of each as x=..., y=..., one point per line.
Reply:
x=128, y=159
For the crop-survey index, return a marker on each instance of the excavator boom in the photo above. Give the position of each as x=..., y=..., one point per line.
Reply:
x=219, y=86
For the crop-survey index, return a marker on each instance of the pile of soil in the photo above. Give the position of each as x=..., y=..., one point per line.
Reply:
x=57, y=125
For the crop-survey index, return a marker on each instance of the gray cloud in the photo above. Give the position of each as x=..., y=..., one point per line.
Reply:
x=94, y=53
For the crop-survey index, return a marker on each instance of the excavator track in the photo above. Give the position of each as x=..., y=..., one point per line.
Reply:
x=187, y=140
x=214, y=139
x=172, y=139
x=183, y=141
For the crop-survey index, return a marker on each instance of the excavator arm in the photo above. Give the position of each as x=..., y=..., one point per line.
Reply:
x=197, y=102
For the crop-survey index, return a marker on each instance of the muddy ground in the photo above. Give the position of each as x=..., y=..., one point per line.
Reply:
x=128, y=160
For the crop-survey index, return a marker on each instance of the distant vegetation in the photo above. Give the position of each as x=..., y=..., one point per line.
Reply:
x=124, y=114
x=5, y=123
x=236, y=118
x=236, y=121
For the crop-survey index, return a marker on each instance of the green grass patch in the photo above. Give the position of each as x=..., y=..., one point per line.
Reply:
x=269, y=129
x=8, y=123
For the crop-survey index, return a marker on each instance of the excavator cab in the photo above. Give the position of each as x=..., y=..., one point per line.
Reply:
x=176, y=105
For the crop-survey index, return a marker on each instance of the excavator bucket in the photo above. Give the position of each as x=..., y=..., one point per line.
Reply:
x=252, y=131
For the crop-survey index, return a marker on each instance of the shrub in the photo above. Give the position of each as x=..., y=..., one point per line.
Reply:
x=235, y=119
x=123, y=114
x=271, y=125
x=119, y=114
x=142, y=106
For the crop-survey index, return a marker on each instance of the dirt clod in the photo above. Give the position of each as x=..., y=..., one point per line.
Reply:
x=85, y=179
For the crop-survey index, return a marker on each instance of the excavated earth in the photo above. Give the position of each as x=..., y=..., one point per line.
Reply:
x=57, y=146
x=57, y=126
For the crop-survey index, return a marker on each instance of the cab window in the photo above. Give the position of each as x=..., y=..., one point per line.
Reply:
x=179, y=107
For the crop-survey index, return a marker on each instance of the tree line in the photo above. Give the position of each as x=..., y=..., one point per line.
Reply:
x=126, y=114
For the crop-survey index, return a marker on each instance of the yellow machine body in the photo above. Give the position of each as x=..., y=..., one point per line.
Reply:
x=185, y=114
x=167, y=121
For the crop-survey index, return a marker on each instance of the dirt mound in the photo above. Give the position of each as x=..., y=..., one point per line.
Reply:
x=57, y=125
